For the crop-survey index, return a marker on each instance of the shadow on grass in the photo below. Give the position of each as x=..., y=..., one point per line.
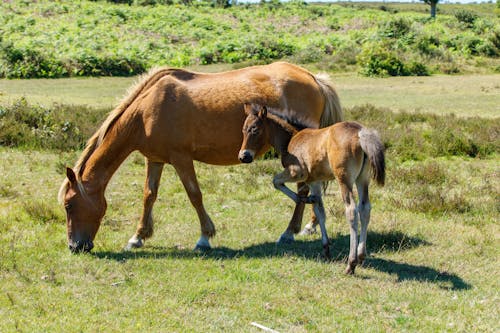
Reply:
x=393, y=241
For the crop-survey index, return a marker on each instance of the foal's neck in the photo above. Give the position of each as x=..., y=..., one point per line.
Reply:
x=280, y=134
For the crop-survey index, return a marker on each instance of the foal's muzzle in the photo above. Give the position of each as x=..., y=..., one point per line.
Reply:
x=81, y=246
x=245, y=156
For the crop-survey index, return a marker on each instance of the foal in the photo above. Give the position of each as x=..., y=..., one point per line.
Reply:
x=346, y=151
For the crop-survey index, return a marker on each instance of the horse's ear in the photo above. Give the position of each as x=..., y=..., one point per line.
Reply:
x=262, y=112
x=71, y=175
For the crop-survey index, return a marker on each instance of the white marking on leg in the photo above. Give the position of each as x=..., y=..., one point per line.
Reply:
x=203, y=243
x=134, y=242
x=309, y=229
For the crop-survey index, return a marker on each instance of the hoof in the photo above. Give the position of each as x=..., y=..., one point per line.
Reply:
x=203, y=245
x=285, y=239
x=326, y=252
x=134, y=243
x=202, y=249
x=350, y=270
x=361, y=258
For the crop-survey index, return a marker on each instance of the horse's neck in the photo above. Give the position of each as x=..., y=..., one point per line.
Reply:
x=279, y=137
x=105, y=160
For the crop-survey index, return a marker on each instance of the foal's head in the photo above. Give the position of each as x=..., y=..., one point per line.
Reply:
x=84, y=212
x=255, y=132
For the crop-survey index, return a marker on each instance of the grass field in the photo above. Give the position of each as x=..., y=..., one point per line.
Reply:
x=433, y=241
x=427, y=271
x=463, y=95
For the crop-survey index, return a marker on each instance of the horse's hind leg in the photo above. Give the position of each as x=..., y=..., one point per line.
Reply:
x=145, y=226
x=352, y=219
x=185, y=170
x=364, y=209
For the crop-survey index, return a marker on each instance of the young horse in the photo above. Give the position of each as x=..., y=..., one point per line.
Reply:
x=176, y=116
x=345, y=151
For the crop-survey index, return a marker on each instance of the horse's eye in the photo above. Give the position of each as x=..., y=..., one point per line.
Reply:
x=253, y=130
x=68, y=207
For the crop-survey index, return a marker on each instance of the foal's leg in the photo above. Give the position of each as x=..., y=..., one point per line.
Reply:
x=364, y=209
x=319, y=210
x=185, y=169
x=145, y=226
x=294, y=226
x=352, y=219
x=296, y=221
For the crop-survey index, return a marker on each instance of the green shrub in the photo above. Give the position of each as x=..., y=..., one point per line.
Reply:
x=467, y=18
x=60, y=127
x=380, y=62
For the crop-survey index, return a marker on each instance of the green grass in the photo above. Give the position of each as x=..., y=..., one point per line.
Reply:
x=431, y=268
x=463, y=95
x=433, y=238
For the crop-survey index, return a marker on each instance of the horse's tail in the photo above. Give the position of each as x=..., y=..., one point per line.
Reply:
x=373, y=147
x=332, y=112
x=96, y=139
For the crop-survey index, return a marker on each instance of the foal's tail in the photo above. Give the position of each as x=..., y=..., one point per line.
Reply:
x=332, y=112
x=373, y=147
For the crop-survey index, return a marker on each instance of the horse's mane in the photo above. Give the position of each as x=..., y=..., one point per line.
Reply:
x=144, y=83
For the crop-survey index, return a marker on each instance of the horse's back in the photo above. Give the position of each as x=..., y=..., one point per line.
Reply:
x=202, y=113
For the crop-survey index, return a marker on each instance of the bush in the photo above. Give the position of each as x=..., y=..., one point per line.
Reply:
x=416, y=136
x=466, y=17
x=380, y=62
x=60, y=127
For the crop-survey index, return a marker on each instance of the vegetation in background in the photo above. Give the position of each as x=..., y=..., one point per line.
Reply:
x=410, y=136
x=61, y=39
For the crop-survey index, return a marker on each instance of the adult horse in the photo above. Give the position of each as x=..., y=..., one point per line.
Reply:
x=176, y=116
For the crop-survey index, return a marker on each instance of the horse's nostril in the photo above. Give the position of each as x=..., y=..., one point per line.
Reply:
x=246, y=157
x=79, y=246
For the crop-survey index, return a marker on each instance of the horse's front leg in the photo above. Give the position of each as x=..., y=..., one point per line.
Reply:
x=145, y=226
x=185, y=169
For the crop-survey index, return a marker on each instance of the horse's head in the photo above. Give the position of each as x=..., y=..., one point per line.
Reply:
x=255, y=133
x=84, y=212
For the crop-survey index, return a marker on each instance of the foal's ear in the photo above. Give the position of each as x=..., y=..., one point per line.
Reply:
x=262, y=112
x=248, y=108
x=71, y=175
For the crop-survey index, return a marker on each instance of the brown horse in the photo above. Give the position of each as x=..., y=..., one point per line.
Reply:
x=176, y=116
x=345, y=151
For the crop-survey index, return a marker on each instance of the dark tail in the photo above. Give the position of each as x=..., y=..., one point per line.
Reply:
x=374, y=148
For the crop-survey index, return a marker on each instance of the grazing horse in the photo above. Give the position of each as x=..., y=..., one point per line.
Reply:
x=176, y=116
x=346, y=151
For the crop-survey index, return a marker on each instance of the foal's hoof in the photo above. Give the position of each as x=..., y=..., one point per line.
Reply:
x=350, y=270
x=134, y=243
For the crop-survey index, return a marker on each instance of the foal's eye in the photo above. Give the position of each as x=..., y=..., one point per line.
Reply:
x=68, y=206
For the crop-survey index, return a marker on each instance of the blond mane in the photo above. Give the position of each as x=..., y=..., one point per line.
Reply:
x=144, y=83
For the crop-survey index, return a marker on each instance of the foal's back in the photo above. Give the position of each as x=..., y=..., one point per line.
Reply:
x=328, y=152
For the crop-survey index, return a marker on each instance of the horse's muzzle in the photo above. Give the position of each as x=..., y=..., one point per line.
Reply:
x=80, y=246
x=245, y=156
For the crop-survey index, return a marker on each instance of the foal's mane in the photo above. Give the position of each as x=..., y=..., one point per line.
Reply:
x=143, y=84
x=291, y=126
